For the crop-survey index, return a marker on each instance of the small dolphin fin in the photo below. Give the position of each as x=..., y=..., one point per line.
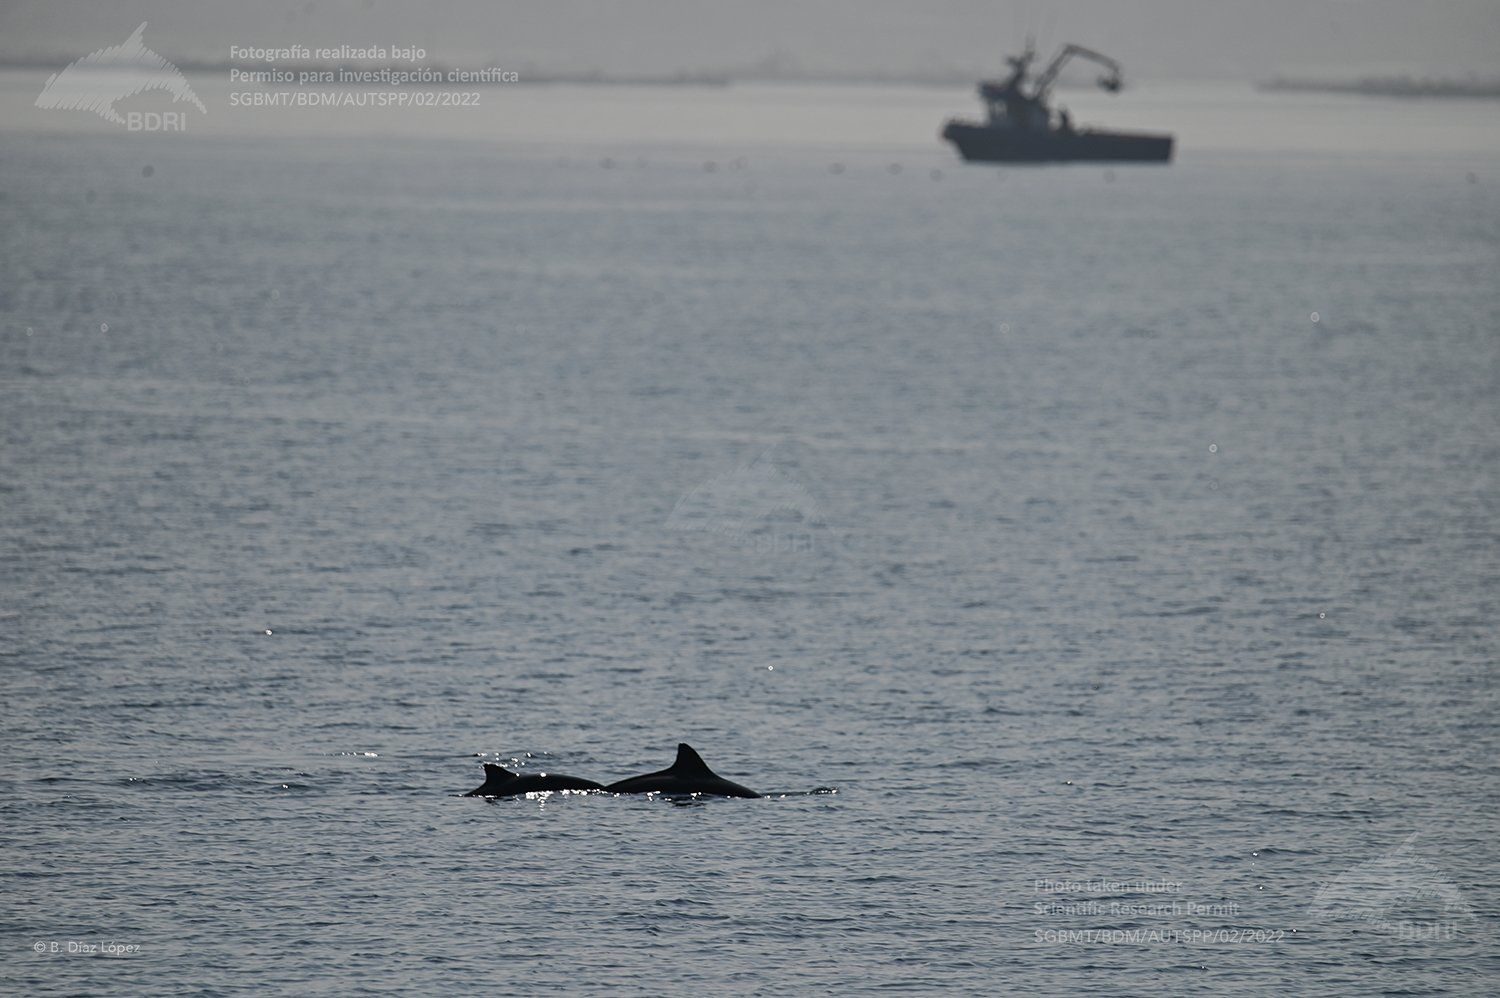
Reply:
x=495, y=777
x=138, y=35
x=689, y=761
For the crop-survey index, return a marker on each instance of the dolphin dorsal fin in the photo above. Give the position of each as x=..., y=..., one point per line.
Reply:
x=138, y=35
x=689, y=761
x=494, y=772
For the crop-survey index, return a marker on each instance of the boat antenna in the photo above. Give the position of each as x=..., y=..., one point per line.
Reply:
x=1048, y=29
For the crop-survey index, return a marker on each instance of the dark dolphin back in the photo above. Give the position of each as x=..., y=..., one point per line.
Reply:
x=557, y=781
x=688, y=775
x=501, y=782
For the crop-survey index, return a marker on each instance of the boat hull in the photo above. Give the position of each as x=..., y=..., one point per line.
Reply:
x=981, y=144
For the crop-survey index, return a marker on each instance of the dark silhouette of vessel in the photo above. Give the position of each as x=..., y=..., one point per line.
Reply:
x=1020, y=126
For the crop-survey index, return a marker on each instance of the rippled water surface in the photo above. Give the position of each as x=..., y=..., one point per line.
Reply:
x=1105, y=538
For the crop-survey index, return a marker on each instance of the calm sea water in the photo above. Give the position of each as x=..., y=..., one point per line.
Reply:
x=1121, y=544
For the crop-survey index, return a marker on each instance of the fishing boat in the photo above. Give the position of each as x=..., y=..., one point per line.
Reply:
x=1020, y=125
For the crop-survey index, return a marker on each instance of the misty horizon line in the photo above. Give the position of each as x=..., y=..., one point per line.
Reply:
x=1481, y=84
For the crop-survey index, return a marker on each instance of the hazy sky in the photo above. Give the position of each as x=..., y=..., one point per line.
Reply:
x=851, y=38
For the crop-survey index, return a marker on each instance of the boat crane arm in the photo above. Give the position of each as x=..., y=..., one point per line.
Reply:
x=1111, y=81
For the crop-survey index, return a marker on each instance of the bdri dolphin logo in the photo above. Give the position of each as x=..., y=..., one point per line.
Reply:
x=101, y=79
x=1398, y=892
x=745, y=501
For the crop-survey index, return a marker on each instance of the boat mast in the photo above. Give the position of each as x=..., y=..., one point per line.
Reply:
x=1007, y=102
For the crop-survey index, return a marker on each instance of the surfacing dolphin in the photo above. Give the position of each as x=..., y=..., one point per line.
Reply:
x=688, y=775
x=501, y=782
